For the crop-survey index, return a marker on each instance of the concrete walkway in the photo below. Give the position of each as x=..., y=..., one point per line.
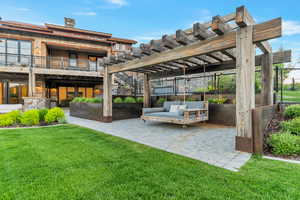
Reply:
x=209, y=143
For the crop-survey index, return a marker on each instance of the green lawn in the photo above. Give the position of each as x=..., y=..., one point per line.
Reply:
x=69, y=162
x=289, y=95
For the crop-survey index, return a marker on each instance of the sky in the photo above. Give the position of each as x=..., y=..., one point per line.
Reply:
x=143, y=20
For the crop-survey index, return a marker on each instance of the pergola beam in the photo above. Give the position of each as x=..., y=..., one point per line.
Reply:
x=261, y=32
x=278, y=57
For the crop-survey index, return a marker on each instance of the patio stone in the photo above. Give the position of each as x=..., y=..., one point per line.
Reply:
x=209, y=143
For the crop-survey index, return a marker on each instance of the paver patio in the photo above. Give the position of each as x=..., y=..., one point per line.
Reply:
x=206, y=142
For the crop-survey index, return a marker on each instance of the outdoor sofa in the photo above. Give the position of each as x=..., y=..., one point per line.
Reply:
x=188, y=112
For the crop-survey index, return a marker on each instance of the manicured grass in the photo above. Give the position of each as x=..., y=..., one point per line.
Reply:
x=69, y=162
x=289, y=95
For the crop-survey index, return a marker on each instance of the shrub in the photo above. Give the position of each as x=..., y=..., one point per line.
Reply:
x=88, y=100
x=118, y=100
x=217, y=100
x=161, y=100
x=54, y=115
x=292, y=111
x=129, y=100
x=284, y=144
x=30, y=117
x=43, y=113
x=139, y=100
x=5, y=120
x=190, y=99
x=292, y=126
x=78, y=99
x=15, y=116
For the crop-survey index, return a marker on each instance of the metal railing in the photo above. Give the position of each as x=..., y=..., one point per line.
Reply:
x=48, y=62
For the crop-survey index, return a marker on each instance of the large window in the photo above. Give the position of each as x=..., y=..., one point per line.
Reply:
x=15, y=51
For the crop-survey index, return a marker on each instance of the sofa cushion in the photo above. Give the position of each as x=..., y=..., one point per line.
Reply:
x=164, y=114
x=167, y=105
x=194, y=104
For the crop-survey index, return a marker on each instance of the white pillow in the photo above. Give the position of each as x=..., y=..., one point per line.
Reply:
x=176, y=108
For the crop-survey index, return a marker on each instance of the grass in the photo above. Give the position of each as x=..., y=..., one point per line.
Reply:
x=292, y=96
x=70, y=162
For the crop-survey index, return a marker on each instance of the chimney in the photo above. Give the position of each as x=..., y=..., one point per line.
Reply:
x=69, y=22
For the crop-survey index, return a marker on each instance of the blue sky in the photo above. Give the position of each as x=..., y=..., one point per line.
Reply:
x=143, y=20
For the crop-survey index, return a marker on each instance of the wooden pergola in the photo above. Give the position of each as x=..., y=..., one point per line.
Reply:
x=212, y=46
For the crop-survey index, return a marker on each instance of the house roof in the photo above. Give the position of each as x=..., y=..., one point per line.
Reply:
x=62, y=31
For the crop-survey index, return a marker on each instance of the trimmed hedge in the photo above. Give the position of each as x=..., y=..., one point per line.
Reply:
x=292, y=126
x=55, y=115
x=30, y=118
x=284, y=144
x=6, y=120
x=118, y=100
x=161, y=100
x=88, y=100
x=292, y=111
x=129, y=100
x=43, y=113
x=140, y=100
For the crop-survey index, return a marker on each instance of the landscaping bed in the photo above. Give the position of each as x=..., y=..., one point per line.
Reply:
x=282, y=135
x=34, y=117
x=92, y=109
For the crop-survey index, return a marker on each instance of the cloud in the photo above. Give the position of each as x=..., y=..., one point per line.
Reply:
x=119, y=3
x=23, y=9
x=85, y=13
x=291, y=27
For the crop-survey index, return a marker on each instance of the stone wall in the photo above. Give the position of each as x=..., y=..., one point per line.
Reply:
x=35, y=103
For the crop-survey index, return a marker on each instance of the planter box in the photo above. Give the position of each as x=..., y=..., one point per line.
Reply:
x=127, y=110
x=222, y=114
x=94, y=111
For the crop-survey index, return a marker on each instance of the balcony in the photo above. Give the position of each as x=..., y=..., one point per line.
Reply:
x=49, y=62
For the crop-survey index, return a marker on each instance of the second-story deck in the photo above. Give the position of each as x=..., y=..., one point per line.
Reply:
x=16, y=63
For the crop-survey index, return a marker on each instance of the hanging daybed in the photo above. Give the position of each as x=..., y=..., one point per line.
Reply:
x=178, y=112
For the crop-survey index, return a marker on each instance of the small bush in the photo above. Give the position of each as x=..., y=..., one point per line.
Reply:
x=139, y=100
x=87, y=100
x=93, y=100
x=190, y=99
x=129, y=100
x=6, y=120
x=292, y=111
x=292, y=126
x=43, y=113
x=30, y=118
x=217, y=100
x=284, y=144
x=15, y=116
x=54, y=115
x=118, y=100
x=161, y=100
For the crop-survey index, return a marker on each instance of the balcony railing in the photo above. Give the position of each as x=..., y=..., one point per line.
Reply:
x=48, y=62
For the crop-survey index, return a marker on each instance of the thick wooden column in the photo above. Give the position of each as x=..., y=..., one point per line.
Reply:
x=245, y=90
x=147, y=93
x=267, y=79
x=107, y=96
x=31, y=83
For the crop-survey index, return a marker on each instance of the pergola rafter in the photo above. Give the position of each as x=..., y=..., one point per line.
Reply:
x=216, y=45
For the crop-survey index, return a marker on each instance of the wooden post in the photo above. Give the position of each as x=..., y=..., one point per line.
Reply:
x=147, y=94
x=107, y=96
x=267, y=79
x=245, y=91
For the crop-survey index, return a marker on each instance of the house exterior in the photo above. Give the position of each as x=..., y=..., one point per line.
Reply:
x=53, y=62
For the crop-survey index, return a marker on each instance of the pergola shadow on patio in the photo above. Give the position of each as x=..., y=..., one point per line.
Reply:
x=213, y=46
